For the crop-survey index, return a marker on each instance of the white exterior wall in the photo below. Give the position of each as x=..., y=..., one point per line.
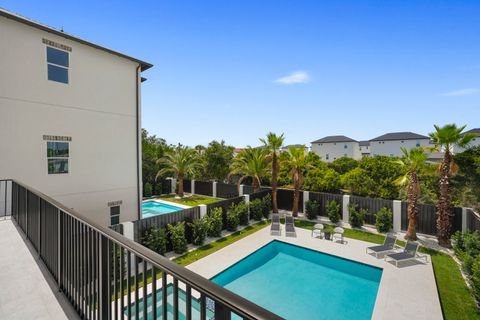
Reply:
x=364, y=151
x=97, y=109
x=475, y=142
x=336, y=150
x=392, y=147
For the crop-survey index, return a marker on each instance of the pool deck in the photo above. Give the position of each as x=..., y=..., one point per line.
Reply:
x=406, y=292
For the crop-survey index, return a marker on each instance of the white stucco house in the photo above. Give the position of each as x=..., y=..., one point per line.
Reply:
x=330, y=148
x=475, y=142
x=70, y=119
x=364, y=148
x=390, y=144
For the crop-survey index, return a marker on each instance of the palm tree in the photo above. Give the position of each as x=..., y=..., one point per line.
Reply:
x=180, y=161
x=446, y=138
x=414, y=164
x=273, y=143
x=296, y=159
x=253, y=163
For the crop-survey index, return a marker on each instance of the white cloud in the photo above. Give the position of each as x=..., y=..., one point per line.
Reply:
x=463, y=92
x=294, y=78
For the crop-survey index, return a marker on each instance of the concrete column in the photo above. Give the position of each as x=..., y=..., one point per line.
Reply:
x=464, y=219
x=203, y=210
x=174, y=184
x=345, y=203
x=193, y=186
x=247, y=201
x=306, y=197
x=397, y=215
x=240, y=191
x=214, y=189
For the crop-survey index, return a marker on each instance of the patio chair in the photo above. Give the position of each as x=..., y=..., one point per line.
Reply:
x=290, y=226
x=275, y=227
x=387, y=246
x=338, y=234
x=408, y=253
x=318, y=230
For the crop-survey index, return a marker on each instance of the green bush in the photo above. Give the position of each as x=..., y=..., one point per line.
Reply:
x=147, y=190
x=232, y=219
x=156, y=239
x=214, y=222
x=384, y=220
x=242, y=212
x=333, y=211
x=266, y=205
x=356, y=216
x=199, y=231
x=256, y=211
x=312, y=209
x=177, y=237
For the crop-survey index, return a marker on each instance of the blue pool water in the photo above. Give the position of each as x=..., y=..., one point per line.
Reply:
x=298, y=283
x=152, y=208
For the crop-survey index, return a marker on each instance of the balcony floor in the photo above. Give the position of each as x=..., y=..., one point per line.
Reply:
x=25, y=293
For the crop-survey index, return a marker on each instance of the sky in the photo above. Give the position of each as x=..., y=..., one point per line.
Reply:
x=235, y=70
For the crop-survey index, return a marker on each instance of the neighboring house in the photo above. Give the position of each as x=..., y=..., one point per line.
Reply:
x=70, y=119
x=475, y=142
x=331, y=148
x=390, y=144
x=285, y=148
x=364, y=147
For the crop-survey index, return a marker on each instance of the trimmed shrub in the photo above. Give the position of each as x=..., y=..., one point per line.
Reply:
x=232, y=219
x=214, y=222
x=266, y=205
x=467, y=249
x=156, y=239
x=242, y=212
x=384, y=220
x=333, y=211
x=199, y=231
x=256, y=211
x=147, y=190
x=356, y=216
x=312, y=209
x=177, y=237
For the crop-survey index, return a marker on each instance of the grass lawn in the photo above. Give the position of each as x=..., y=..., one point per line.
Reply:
x=192, y=201
x=455, y=297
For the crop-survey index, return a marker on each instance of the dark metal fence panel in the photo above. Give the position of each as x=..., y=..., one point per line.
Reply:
x=227, y=191
x=187, y=186
x=457, y=219
x=117, y=228
x=204, y=188
x=260, y=194
x=166, y=186
x=224, y=204
x=285, y=199
x=49, y=238
x=323, y=198
x=473, y=220
x=161, y=221
x=373, y=205
x=247, y=189
x=427, y=218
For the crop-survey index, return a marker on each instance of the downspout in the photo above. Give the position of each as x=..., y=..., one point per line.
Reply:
x=139, y=159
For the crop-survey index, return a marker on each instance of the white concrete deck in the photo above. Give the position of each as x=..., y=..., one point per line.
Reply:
x=24, y=291
x=407, y=292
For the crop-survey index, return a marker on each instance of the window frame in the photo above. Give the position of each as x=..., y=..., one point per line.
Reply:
x=58, y=65
x=115, y=215
x=56, y=157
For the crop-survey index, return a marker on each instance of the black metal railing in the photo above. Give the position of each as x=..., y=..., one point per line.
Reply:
x=5, y=194
x=105, y=275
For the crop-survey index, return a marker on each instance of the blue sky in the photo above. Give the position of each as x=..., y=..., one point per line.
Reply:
x=235, y=70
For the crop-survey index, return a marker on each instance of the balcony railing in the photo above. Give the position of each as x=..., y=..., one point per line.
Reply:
x=107, y=276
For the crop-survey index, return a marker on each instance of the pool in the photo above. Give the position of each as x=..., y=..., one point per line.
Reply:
x=153, y=208
x=299, y=283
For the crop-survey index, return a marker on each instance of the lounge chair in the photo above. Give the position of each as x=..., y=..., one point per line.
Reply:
x=275, y=227
x=290, y=226
x=409, y=253
x=338, y=234
x=387, y=246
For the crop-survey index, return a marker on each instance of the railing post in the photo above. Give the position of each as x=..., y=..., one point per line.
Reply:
x=397, y=215
x=59, y=251
x=26, y=213
x=214, y=189
x=104, y=278
x=345, y=203
x=221, y=312
x=464, y=219
x=192, y=182
x=39, y=211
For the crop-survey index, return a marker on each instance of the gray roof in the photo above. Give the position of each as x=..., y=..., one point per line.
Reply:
x=332, y=139
x=474, y=130
x=400, y=136
x=10, y=15
x=364, y=143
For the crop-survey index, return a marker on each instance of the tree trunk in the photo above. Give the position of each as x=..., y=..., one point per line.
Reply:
x=180, y=185
x=274, y=182
x=444, y=206
x=413, y=191
x=256, y=184
x=296, y=192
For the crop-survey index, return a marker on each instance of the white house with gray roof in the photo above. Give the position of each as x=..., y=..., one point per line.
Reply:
x=331, y=148
x=390, y=144
x=475, y=142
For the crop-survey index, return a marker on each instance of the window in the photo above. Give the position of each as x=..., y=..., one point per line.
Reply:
x=326, y=157
x=345, y=147
x=114, y=215
x=57, y=64
x=345, y=155
x=57, y=157
x=403, y=141
x=418, y=144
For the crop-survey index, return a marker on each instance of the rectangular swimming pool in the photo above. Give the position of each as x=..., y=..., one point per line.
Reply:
x=153, y=208
x=299, y=283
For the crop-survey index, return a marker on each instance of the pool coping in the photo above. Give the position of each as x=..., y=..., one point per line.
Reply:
x=408, y=292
